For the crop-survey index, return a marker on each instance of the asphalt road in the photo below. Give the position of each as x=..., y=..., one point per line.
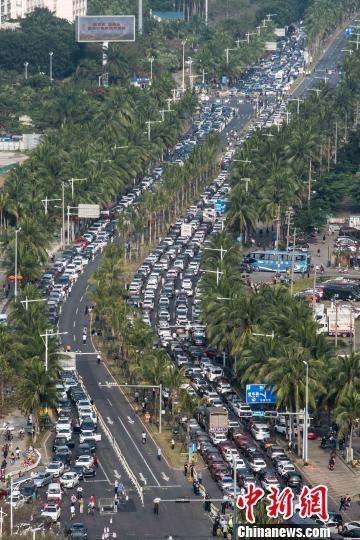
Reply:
x=183, y=520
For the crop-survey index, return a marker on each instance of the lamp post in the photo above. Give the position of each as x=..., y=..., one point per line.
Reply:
x=151, y=59
x=51, y=54
x=26, y=69
x=49, y=333
x=16, y=262
x=27, y=301
x=183, y=43
x=305, y=432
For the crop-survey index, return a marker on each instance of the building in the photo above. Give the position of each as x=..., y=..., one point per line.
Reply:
x=167, y=16
x=65, y=9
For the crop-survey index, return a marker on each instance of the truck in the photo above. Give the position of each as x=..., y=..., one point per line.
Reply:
x=216, y=419
x=342, y=318
x=186, y=230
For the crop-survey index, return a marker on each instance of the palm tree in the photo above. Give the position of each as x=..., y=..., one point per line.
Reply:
x=344, y=376
x=36, y=390
x=347, y=415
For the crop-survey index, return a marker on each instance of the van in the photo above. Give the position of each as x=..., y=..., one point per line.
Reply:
x=260, y=432
x=54, y=493
x=214, y=373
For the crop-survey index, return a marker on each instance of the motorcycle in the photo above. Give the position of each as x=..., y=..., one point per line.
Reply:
x=324, y=443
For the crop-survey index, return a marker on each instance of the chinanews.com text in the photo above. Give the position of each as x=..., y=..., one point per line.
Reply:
x=281, y=531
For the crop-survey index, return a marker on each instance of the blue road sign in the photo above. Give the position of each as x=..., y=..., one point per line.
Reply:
x=349, y=31
x=259, y=393
x=258, y=413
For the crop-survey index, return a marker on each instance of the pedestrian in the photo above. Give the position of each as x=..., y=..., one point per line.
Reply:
x=81, y=506
x=116, y=487
x=185, y=469
x=17, y=452
x=159, y=454
x=121, y=489
x=199, y=477
x=86, y=309
x=290, y=446
x=225, y=530
x=191, y=471
x=156, y=502
x=5, y=451
x=324, y=238
x=342, y=504
x=73, y=499
x=72, y=511
x=347, y=500
x=318, y=252
x=79, y=493
x=96, y=463
x=172, y=444
x=136, y=397
x=143, y=437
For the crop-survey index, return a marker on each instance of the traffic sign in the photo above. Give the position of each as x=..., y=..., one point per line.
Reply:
x=259, y=393
x=258, y=413
x=348, y=31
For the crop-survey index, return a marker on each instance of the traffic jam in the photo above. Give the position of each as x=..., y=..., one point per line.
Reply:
x=167, y=288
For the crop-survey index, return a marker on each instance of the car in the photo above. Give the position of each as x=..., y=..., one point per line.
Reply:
x=225, y=482
x=27, y=489
x=293, y=480
x=285, y=468
x=78, y=531
x=65, y=433
x=256, y=464
x=89, y=472
x=56, y=468
x=16, y=500
x=352, y=533
x=88, y=435
x=52, y=511
x=349, y=525
x=269, y=481
x=69, y=479
x=42, y=478
x=84, y=461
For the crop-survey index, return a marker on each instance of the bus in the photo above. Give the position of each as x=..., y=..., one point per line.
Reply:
x=273, y=260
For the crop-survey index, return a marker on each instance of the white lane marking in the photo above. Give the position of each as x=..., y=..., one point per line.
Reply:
x=109, y=402
x=130, y=420
x=142, y=478
x=103, y=470
x=74, y=324
x=140, y=454
x=109, y=421
x=117, y=475
x=81, y=299
x=74, y=337
x=77, y=310
x=87, y=287
x=166, y=478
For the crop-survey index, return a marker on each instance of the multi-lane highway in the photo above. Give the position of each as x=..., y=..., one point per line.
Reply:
x=157, y=478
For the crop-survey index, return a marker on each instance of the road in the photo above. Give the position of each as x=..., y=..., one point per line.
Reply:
x=158, y=478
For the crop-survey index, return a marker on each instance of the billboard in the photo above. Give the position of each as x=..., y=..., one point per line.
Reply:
x=280, y=32
x=270, y=46
x=93, y=28
x=89, y=211
x=259, y=393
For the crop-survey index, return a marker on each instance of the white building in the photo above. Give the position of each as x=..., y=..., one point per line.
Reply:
x=65, y=9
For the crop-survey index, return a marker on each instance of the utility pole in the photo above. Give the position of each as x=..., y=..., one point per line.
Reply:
x=140, y=17
x=278, y=228
x=305, y=431
x=51, y=54
x=2, y=515
x=72, y=180
x=314, y=288
x=26, y=70
x=46, y=201
x=309, y=183
x=246, y=180
x=336, y=143
x=183, y=64
x=49, y=333
x=206, y=12
x=63, y=215
x=293, y=264
x=336, y=325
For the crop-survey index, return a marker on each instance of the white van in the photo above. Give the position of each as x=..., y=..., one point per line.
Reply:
x=214, y=373
x=260, y=432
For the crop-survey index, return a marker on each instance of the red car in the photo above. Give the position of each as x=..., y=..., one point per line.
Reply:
x=241, y=441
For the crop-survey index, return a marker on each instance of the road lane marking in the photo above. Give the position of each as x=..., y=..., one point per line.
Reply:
x=74, y=337
x=109, y=421
x=130, y=420
x=81, y=299
x=166, y=478
x=137, y=449
x=77, y=310
x=87, y=287
x=117, y=475
x=74, y=324
x=109, y=402
x=142, y=478
x=103, y=470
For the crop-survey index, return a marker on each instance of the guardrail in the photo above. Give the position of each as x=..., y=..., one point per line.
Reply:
x=116, y=449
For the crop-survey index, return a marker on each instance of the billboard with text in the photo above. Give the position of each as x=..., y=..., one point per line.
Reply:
x=93, y=29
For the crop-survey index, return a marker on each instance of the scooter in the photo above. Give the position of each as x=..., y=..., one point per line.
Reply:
x=324, y=443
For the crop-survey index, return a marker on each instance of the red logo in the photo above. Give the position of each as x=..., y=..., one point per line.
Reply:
x=312, y=502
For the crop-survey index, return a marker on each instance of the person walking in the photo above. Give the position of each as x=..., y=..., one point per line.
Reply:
x=81, y=506
x=172, y=444
x=73, y=499
x=143, y=437
x=96, y=463
x=186, y=468
x=159, y=454
x=116, y=487
x=342, y=504
x=156, y=502
x=79, y=493
x=17, y=452
x=72, y=511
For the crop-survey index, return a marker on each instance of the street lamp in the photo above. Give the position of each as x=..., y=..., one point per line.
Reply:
x=51, y=65
x=305, y=433
x=49, y=333
x=16, y=261
x=152, y=58
x=26, y=69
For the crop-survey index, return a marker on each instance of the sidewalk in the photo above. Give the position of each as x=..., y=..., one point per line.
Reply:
x=339, y=481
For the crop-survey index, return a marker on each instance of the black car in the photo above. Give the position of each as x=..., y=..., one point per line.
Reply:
x=61, y=441
x=77, y=531
x=293, y=480
x=27, y=490
x=62, y=457
x=84, y=449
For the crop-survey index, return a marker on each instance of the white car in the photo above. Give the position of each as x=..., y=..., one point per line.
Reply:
x=64, y=432
x=55, y=468
x=63, y=423
x=69, y=479
x=270, y=481
x=84, y=461
x=85, y=435
x=257, y=464
x=349, y=525
x=284, y=468
x=17, y=500
x=52, y=511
